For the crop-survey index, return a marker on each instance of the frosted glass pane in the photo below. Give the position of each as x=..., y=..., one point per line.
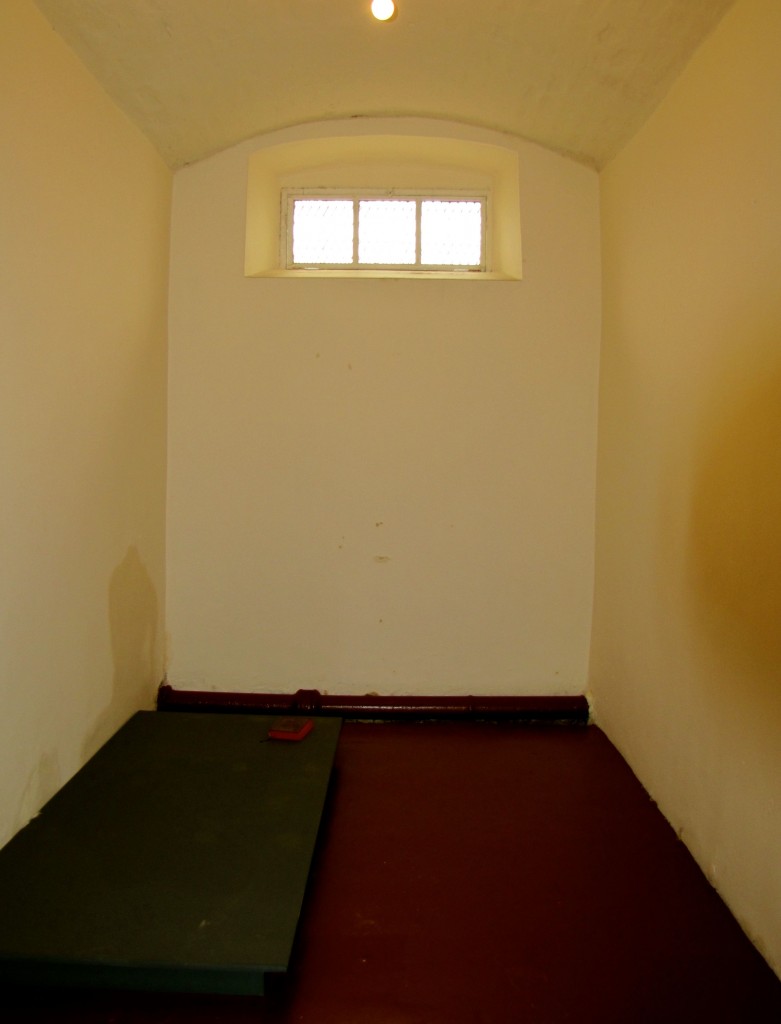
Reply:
x=451, y=233
x=386, y=231
x=323, y=231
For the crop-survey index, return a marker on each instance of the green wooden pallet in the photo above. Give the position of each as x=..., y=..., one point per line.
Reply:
x=175, y=860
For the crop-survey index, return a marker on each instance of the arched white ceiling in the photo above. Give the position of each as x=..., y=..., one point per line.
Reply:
x=197, y=76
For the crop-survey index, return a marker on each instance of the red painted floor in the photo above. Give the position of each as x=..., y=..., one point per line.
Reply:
x=480, y=874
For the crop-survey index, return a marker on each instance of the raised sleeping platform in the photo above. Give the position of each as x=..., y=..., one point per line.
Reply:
x=175, y=860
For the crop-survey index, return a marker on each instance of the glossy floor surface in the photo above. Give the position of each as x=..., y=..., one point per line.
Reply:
x=483, y=874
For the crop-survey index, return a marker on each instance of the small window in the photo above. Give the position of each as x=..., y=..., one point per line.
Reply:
x=378, y=231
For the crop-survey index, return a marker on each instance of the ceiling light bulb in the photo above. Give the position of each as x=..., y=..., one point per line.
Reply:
x=383, y=10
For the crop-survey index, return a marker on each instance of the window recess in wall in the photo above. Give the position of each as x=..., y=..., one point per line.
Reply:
x=384, y=231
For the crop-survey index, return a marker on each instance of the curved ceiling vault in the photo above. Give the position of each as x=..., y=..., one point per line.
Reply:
x=197, y=76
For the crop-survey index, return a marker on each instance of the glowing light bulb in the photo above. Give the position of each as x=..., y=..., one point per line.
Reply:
x=383, y=10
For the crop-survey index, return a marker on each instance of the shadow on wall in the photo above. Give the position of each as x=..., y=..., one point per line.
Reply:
x=42, y=782
x=735, y=539
x=133, y=611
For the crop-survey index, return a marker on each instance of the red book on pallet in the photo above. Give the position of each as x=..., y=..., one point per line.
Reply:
x=290, y=728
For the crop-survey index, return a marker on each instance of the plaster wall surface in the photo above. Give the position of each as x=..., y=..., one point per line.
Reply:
x=84, y=252
x=686, y=661
x=383, y=485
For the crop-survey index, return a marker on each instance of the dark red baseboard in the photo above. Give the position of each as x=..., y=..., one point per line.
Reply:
x=564, y=710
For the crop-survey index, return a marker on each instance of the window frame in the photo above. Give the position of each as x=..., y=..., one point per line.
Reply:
x=289, y=195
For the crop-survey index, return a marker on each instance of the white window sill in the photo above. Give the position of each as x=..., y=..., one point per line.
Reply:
x=405, y=275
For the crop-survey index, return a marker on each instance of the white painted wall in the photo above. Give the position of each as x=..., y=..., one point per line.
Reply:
x=686, y=668
x=382, y=485
x=83, y=250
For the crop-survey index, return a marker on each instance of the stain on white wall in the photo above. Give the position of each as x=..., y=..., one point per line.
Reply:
x=686, y=666
x=83, y=305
